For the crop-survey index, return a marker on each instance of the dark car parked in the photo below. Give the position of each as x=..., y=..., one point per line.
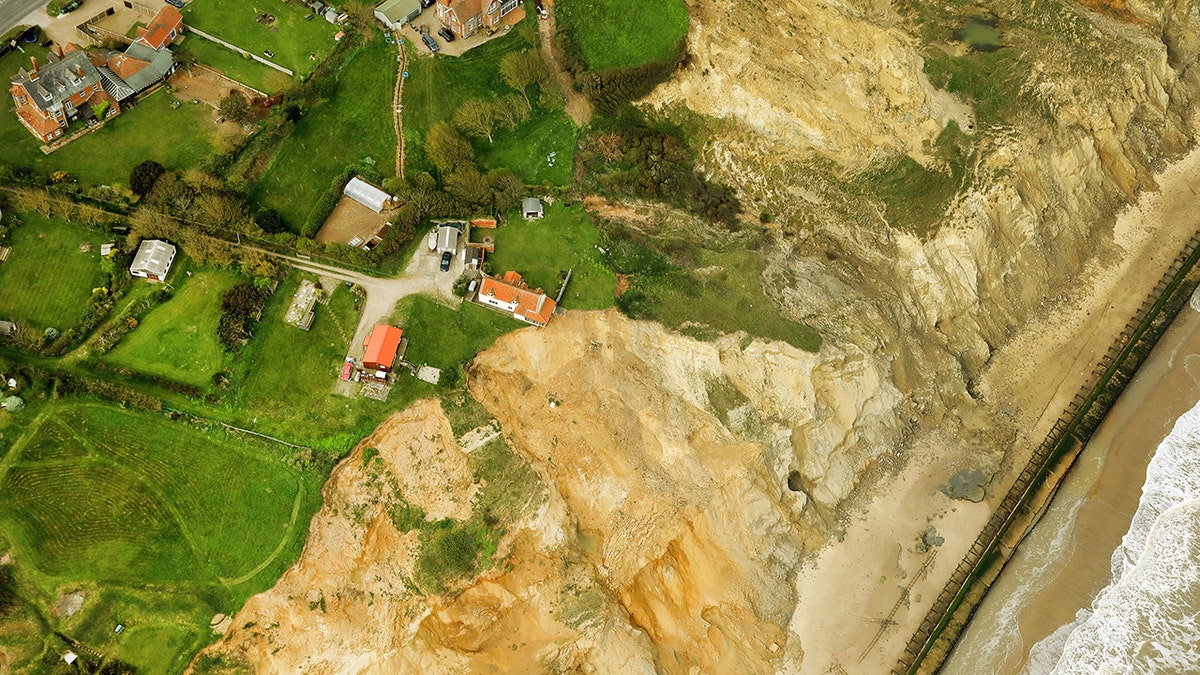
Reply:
x=446, y=257
x=426, y=4
x=445, y=34
x=430, y=42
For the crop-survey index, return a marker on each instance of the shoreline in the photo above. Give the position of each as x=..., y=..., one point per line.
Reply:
x=1065, y=561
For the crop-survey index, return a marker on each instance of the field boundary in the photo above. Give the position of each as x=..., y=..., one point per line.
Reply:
x=233, y=47
x=1033, y=489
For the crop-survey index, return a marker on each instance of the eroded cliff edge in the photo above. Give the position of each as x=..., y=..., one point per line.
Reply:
x=741, y=505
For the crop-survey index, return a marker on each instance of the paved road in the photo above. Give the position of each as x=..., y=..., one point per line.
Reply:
x=12, y=11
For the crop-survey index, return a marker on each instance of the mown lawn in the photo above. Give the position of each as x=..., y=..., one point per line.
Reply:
x=178, y=339
x=47, y=280
x=160, y=524
x=444, y=337
x=438, y=85
x=176, y=138
x=543, y=250
x=235, y=66
x=622, y=33
x=290, y=38
x=287, y=376
x=356, y=124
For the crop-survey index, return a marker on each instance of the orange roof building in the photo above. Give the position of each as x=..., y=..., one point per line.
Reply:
x=510, y=293
x=382, y=345
x=162, y=29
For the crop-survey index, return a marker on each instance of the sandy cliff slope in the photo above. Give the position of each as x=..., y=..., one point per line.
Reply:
x=737, y=505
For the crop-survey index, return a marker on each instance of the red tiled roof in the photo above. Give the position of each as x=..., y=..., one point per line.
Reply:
x=125, y=66
x=158, y=32
x=41, y=125
x=533, y=306
x=382, y=345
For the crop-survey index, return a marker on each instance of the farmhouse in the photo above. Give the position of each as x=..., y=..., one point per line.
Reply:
x=465, y=17
x=531, y=208
x=382, y=345
x=511, y=294
x=366, y=194
x=396, y=13
x=153, y=260
x=49, y=98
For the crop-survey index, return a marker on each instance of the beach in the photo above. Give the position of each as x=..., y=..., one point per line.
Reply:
x=1065, y=561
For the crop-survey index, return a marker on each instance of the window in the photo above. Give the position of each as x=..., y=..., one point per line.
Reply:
x=508, y=6
x=69, y=105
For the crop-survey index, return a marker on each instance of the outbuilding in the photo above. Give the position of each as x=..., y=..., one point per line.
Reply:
x=7, y=328
x=396, y=13
x=153, y=260
x=448, y=234
x=531, y=208
x=381, y=347
x=366, y=194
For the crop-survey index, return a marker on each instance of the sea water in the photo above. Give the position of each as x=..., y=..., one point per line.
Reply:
x=1147, y=620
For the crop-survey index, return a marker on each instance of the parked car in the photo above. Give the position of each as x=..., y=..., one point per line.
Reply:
x=429, y=42
x=446, y=257
x=347, y=371
x=426, y=4
x=70, y=7
x=445, y=34
x=176, y=3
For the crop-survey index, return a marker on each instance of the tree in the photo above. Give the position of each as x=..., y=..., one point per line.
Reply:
x=507, y=189
x=144, y=176
x=476, y=117
x=13, y=404
x=511, y=111
x=470, y=186
x=447, y=148
x=521, y=69
x=234, y=107
x=222, y=211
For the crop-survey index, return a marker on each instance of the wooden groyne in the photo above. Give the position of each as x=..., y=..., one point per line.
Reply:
x=1018, y=512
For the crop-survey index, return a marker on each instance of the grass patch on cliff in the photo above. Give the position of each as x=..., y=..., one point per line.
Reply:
x=160, y=524
x=445, y=337
x=452, y=551
x=702, y=292
x=624, y=33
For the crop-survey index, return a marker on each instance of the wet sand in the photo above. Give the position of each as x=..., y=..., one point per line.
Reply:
x=1063, y=564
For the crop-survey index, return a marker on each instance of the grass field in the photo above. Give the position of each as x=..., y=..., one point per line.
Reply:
x=290, y=38
x=438, y=85
x=444, y=337
x=176, y=138
x=235, y=66
x=355, y=124
x=526, y=149
x=160, y=524
x=621, y=33
x=543, y=250
x=47, y=281
x=178, y=339
x=287, y=375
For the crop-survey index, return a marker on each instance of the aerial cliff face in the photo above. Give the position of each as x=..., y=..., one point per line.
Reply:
x=695, y=495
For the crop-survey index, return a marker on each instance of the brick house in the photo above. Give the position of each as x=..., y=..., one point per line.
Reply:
x=465, y=17
x=510, y=293
x=48, y=98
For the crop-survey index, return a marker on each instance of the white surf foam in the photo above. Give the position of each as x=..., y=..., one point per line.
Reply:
x=1148, y=619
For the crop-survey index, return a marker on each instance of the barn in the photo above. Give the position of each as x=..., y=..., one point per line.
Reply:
x=382, y=346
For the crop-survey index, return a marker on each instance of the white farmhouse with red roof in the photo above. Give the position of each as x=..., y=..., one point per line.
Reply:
x=510, y=293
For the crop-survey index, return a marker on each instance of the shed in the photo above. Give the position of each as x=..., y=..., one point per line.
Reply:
x=381, y=347
x=395, y=13
x=153, y=260
x=448, y=237
x=366, y=194
x=331, y=15
x=7, y=328
x=531, y=208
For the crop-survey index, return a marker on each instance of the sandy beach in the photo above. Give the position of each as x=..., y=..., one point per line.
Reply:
x=1063, y=564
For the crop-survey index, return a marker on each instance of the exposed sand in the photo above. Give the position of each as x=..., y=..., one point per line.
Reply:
x=1045, y=585
x=1065, y=562
x=1035, y=376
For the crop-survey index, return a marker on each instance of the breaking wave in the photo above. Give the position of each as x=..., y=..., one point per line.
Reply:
x=1147, y=620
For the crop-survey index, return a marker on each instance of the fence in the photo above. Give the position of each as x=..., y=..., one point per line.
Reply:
x=1064, y=442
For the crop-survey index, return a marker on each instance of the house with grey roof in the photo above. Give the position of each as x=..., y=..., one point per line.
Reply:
x=128, y=73
x=153, y=260
x=49, y=97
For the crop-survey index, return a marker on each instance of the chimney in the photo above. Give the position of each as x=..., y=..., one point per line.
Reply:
x=60, y=51
x=33, y=75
